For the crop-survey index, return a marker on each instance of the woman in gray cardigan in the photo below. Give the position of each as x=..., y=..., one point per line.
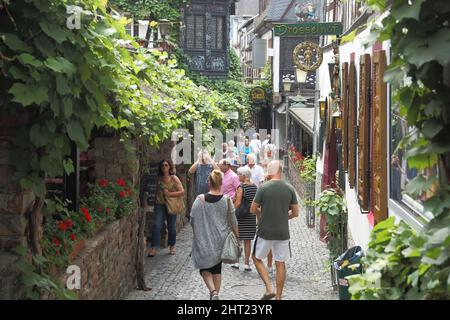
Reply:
x=210, y=225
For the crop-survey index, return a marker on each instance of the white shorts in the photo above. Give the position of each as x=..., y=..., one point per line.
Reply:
x=280, y=249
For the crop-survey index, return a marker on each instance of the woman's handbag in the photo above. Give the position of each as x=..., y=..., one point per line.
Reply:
x=175, y=205
x=231, y=249
x=244, y=209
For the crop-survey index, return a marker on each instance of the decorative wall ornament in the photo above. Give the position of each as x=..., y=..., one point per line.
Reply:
x=307, y=56
x=306, y=12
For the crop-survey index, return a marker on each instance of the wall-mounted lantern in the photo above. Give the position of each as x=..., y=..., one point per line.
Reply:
x=300, y=75
x=322, y=108
x=337, y=117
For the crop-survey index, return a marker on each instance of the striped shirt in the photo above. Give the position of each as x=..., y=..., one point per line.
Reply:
x=247, y=224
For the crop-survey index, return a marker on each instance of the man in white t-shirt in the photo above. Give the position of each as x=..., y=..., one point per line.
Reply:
x=265, y=142
x=255, y=143
x=257, y=176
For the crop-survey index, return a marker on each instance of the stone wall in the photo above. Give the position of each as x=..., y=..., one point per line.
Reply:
x=107, y=263
x=108, y=260
x=14, y=208
x=112, y=162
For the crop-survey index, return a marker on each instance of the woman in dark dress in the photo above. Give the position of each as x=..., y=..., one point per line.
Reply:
x=246, y=221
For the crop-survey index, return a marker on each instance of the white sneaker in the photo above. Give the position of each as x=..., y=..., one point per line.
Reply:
x=247, y=267
x=235, y=266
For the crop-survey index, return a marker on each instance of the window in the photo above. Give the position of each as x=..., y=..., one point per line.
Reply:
x=129, y=27
x=195, y=31
x=217, y=32
x=401, y=173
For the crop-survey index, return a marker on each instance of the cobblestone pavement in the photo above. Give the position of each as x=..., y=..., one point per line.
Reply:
x=174, y=277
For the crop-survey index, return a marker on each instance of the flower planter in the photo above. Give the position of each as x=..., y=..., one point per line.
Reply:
x=76, y=248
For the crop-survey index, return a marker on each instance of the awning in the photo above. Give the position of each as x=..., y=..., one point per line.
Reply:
x=304, y=117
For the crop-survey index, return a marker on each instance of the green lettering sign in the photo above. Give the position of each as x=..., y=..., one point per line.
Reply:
x=307, y=29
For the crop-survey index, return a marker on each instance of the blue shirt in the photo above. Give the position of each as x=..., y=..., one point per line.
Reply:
x=201, y=178
x=246, y=151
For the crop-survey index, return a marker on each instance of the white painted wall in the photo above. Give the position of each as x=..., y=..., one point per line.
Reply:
x=276, y=64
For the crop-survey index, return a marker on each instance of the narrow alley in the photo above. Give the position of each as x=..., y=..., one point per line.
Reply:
x=174, y=277
x=317, y=131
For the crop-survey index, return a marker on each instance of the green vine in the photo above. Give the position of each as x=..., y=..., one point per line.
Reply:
x=65, y=83
x=308, y=169
x=143, y=9
x=402, y=264
x=69, y=82
x=331, y=204
x=38, y=284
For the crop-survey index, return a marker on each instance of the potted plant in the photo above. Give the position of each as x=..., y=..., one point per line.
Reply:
x=308, y=169
x=101, y=202
x=125, y=198
x=62, y=234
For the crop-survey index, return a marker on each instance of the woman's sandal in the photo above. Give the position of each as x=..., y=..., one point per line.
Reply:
x=172, y=250
x=152, y=253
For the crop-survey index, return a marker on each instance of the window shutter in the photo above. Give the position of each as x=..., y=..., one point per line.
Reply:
x=344, y=108
x=352, y=129
x=364, y=132
x=379, y=138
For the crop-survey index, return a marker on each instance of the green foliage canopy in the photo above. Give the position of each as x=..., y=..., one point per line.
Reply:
x=70, y=81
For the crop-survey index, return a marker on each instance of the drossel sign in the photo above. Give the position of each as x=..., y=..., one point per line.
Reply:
x=307, y=29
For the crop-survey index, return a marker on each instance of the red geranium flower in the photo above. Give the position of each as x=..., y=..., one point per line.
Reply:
x=62, y=226
x=56, y=241
x=86, y=214
x=100, y=209
x=107, y=210
x=69, y=223
x=122, y=194
x=103, y=183
x=121, y=183
x=73, y=237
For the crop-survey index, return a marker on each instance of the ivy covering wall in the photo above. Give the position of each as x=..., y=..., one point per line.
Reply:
x=70, y=81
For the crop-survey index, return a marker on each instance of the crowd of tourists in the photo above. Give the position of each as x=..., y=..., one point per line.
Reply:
x=239, y=189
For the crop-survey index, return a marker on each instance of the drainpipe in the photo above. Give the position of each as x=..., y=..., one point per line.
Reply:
x=334, y=10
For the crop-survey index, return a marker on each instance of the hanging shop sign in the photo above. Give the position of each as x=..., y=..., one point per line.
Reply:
x=258, y=95
x=232, y=115
x=307, y=56
x=307, y=29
